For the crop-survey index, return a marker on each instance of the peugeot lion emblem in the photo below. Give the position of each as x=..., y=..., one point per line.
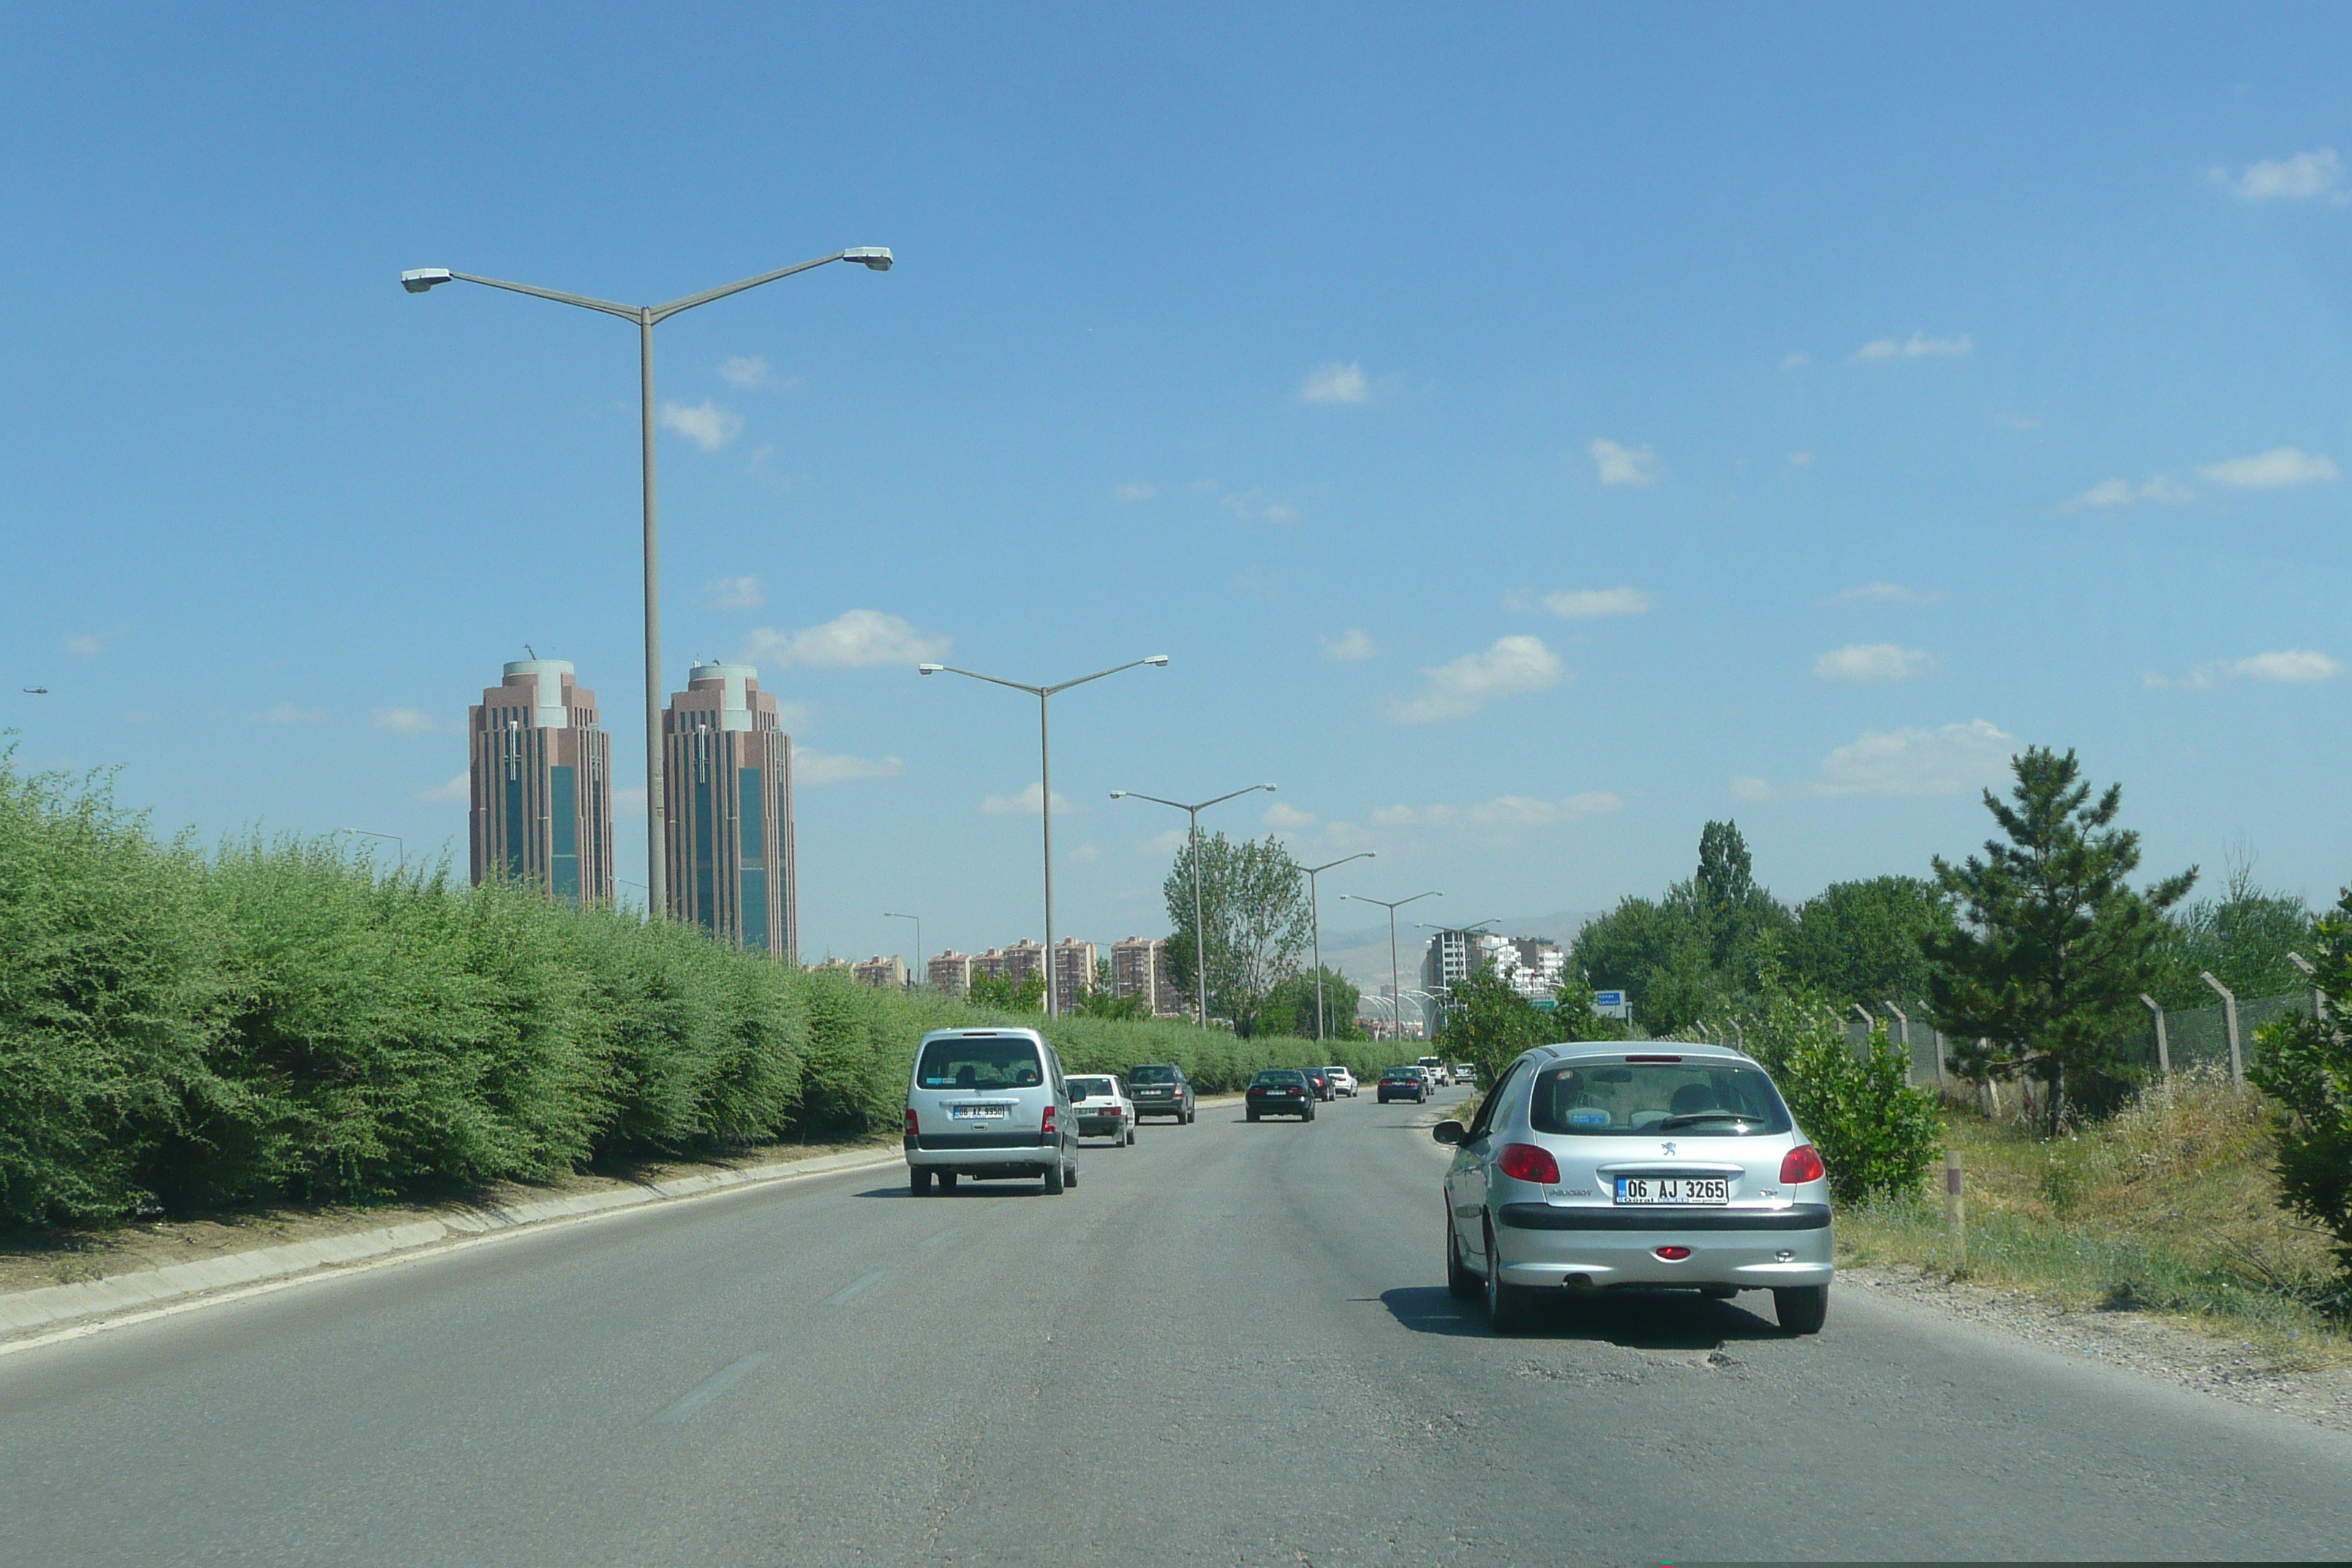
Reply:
x=1667, y=1147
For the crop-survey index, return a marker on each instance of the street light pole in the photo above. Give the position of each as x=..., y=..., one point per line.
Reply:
x=401, y=843
x=1396, y=984
x=919, y=941
x=419, y=279
x=1045, y=781
x=1316, y=904
x=1200, y=938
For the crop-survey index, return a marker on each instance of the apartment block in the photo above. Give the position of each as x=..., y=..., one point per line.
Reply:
x=727, y=774
x=1023, y=959
x=541, y=771
x=887, y=971
x=1138, y=967
x=951, y=972
x=1074, y=969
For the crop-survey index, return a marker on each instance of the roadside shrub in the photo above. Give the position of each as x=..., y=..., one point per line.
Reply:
x=1876, y=1134
x=2306, y=1064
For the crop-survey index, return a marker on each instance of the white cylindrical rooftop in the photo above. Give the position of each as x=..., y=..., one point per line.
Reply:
x=548, y=710
x=735, y=705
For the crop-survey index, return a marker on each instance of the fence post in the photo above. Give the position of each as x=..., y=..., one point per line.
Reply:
x=1939, y=1059
x=2163, y=1049
x=1904, y=1019
x=2318, y=997
x=1956, y=1210
x=1862, y=1048
x=2229, y=1016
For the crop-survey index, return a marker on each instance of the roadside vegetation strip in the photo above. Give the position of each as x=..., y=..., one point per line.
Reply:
x=2167, y=1207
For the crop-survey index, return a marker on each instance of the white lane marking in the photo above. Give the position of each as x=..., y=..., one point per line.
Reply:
x=851, y=1288
x=708, y=1389
x=931, y=1241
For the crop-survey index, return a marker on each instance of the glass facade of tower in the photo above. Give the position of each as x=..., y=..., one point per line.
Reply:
x=541, y=780
x=727, y=774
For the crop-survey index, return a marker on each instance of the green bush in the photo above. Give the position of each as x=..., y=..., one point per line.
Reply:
x=1876, y=1134
x=2306, y=1064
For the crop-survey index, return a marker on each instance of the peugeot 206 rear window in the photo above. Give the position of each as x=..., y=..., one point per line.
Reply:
x=1090, y=1088
x=980, y=1064
x=1699, y=1099
x=1152, y=1074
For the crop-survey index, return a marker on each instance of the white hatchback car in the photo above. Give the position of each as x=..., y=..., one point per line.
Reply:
x=1609, y=1167
x=986, y=1104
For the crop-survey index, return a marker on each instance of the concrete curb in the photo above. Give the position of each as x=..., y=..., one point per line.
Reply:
x=25, y=1310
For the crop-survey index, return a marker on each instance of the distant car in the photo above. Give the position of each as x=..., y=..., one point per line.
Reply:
x=1343, y=1081
x=1320, y=1080
x=1404, y=1083
x=1160, y=1089
x=1280, y=1091
x=1592, y=1167
x=1465, y=1075
x=1100, y=1101
x=1435, y=1068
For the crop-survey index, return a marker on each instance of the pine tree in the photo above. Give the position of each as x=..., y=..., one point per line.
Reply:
x=2053, y=947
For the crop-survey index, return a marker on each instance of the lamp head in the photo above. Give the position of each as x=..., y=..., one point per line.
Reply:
x=418, y=280
x=1119, y=795
x=1268, y=788
x=1159, y=659
x=877, y=257
x=929, y=669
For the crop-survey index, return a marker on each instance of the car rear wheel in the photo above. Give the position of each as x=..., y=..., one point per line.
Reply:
x=1054, y=1179
x=1307, y=1115
x=1130, y=1137
x=1509, y=1308
x=1801, y=1308
x=1071, y=1179
x=1460, y=1283
x=946, y=1181
x=1253, y=1113
x=919, y=1181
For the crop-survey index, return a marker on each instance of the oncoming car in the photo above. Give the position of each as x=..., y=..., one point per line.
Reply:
x=989, y=1103
x=1593, y=1167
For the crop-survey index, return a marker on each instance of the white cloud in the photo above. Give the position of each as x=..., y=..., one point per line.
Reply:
x=1588, y=604
x=1617, y=465
x=705, y=424
x=1800, y=459
x=734, y=593
x=1513, y=665
x=1505, y=811
x=287, y=713
x=1085, y=855
x=1164, y=844
x=457, y=789
x=1255, y=506
x=2288, y=664
x=2163, y=489
x=90, y=645
x=1283, y=815
x=1797, y=361
x=1349, y=645
x=852, y=639
x=1025, y=804
x=1136, y=491
x=2278, y=467
x=2303, y=177
x=1918, y=346
x=816, y=769
x=1336, y=384
x=1882, y=592
x=746, y=371
x=1952, y=760
x=1871, y=662
x=406, y=721
x=1747, y=788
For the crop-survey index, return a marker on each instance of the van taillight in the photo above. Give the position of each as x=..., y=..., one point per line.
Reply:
x=1801, y=1163
x=1046, y=1125
x=1526, y=1163
x=911, y=1127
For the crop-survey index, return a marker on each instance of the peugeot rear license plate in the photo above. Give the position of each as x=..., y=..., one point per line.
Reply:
x=1673, y=1190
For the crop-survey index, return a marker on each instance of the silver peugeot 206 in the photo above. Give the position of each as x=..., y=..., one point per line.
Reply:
x=1623, y=1165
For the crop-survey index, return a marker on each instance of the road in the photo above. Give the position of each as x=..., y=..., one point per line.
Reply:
x=1231, y=1343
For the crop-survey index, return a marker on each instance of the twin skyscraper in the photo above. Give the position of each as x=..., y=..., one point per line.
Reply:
x=542, y=768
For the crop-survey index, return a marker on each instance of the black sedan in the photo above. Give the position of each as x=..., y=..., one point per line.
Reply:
x=1404, y=1083
x=1320, y=1080
x=1281, y=1092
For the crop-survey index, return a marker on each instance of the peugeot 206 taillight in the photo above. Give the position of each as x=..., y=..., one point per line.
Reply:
x=1801, y=1163
x=1526, y=1163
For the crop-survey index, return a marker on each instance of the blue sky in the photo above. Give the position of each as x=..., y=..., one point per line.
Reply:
x=1530, y=432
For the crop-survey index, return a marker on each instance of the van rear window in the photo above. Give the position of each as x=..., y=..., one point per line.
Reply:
x=997, y=1063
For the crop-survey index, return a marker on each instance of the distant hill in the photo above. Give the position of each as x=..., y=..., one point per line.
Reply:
x=1362, y=953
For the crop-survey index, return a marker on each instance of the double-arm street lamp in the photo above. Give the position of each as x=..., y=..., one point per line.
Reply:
x=1395, y=980
x=418, y=280
x=1199, y=940
x=1316, y=904
x=1045, y=782
x=398, y=841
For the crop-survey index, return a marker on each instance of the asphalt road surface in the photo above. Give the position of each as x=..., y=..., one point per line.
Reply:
x=1231, y=1343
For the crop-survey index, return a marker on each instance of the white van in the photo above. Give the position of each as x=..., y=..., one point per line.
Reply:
x=1435, y=1068
x=989, y=1103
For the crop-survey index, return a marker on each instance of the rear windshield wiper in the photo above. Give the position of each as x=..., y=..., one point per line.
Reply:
x=1690, y=1118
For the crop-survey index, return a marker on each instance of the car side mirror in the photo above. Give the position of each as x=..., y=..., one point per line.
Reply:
x=1448, y=1132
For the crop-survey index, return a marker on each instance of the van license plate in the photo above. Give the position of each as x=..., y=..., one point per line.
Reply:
x=1673, y=1190
x=975, y=1113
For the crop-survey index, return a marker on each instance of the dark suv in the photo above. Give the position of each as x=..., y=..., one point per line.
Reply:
x=1161, y=1090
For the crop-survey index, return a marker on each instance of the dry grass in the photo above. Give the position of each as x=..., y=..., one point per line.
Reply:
x=2170, y=1206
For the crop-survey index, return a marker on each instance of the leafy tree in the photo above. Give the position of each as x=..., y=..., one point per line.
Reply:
x=1486, y=1023
x=2306, y=1064
x=1026, y=995
x=1099, y=1002
x=1694, y=953
x=1861, y=942
x=1727, y=872
x=2056, y=947
x=2242, y=938
x=1290, y=1008
x=1255, y=920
